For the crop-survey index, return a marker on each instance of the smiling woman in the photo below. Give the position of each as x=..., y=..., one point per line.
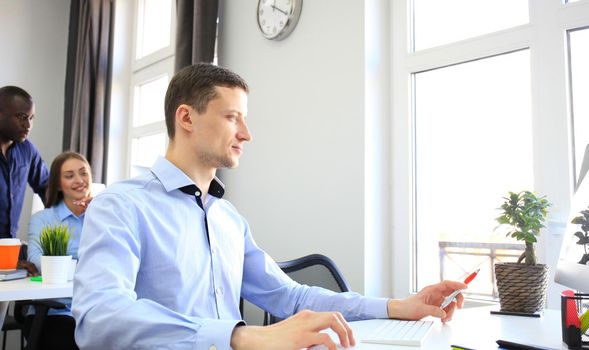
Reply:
x=68, y=194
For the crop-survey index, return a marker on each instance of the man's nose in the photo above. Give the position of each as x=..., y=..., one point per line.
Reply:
x=244, y=133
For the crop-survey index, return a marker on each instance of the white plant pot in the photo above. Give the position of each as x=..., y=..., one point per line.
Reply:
x=55, y=269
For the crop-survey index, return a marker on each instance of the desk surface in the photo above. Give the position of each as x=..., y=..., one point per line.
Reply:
x=476, y=328
x=24, y=289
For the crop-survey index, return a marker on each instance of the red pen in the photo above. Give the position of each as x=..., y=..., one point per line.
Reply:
x=452, y=296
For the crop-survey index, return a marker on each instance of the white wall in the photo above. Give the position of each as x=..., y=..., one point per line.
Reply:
x=33, y=48
x=301, y=181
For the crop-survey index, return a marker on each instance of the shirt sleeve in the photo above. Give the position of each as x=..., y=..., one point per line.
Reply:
x=268, y=287
x=105, y=305
x=38, y=174
x=34, y=251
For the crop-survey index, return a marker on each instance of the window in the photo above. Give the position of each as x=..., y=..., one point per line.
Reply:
x=461, y=118
x=480, y=107
x=442, y=22
x=152, y=69
x=579, y=73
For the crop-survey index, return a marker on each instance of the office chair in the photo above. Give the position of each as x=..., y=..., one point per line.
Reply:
x=313, y=270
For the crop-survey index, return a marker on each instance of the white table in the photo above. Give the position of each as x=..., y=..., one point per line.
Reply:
x=25, y=289
x=476, y=328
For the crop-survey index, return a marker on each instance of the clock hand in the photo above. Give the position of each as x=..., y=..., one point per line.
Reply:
x=280, y=10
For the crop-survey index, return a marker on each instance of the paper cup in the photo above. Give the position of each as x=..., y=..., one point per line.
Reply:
x=9, y=249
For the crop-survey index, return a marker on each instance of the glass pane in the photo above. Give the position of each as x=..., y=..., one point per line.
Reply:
x=443, y=22
x=579, y=50
x=145, y=150
x=149, y=101
x=473, y=143
x=153, y=26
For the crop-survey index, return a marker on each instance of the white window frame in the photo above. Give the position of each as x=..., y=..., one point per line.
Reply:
x=545, y=37
x=144, y=69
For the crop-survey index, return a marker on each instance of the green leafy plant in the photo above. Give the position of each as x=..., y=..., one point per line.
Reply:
x=583, y=235
x=525, y=213
x=54, y=240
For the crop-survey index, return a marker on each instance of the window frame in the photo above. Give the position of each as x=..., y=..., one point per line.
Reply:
x=142, y=70
x=545, y=37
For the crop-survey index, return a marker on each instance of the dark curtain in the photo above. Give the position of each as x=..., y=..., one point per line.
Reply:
x=88, y=82
x=196, y=31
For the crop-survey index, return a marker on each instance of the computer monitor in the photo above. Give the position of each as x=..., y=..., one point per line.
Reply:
x=569, y=271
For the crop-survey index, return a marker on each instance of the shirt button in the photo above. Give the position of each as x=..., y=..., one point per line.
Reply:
x=212, y=347
x=217, y=291
x=197, y=193
x=213, y=251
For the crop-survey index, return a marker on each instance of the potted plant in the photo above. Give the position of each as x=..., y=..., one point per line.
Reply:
x=522, y=285
x=55, y=263
x=583, y=235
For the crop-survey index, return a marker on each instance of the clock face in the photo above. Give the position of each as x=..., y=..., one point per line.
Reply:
x=277, y=18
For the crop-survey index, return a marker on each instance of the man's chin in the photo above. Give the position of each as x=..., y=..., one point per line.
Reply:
x=230, y=163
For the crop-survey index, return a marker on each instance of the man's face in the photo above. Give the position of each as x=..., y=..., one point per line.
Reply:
x=221, y=131
x=16, y=119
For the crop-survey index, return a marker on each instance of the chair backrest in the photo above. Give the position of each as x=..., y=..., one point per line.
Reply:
x=313, y=270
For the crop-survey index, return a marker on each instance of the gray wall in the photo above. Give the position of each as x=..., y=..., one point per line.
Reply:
x=301, y=182
x=33, y=48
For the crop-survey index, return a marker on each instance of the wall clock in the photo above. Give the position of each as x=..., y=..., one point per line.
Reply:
x=278, y=18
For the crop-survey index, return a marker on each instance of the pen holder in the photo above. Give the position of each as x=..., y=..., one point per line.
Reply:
x=575, y=319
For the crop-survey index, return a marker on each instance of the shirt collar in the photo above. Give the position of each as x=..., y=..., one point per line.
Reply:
x=173, y=178
x=63, y=211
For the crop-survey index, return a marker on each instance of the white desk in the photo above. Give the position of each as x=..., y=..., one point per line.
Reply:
x=476, y=328
x=24, y=289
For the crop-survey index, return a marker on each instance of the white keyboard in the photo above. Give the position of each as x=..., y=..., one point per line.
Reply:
x=397, y=332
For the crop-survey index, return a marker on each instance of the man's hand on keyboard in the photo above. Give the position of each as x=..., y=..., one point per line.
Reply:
x=427, y=302
x=300, y=331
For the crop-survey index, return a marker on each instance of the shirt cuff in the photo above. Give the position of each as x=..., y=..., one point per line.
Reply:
x=377, y=308
x=216, y=335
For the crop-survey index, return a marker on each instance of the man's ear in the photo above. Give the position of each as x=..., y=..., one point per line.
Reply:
x=183, y=117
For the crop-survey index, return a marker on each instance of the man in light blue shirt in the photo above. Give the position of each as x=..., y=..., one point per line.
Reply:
x=164, y=259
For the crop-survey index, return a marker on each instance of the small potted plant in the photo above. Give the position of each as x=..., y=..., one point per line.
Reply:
x=583, y=235
x=55, y=263
x=522, y=285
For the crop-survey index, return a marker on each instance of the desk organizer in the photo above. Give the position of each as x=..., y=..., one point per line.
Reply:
x=575, y=319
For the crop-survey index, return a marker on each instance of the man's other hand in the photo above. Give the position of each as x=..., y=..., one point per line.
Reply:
x=427, y=302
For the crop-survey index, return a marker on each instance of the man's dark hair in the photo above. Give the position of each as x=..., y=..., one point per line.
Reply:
x=7, y=93
x=195, y=86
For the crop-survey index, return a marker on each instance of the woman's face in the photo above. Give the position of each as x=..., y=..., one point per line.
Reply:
x=75, y=179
